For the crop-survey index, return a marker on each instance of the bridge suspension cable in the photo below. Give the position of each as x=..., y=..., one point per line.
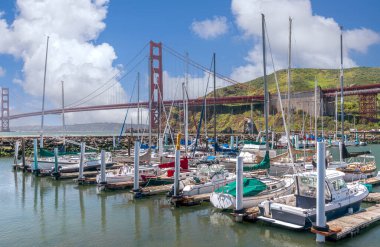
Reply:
x=116, y=76
x=110, y=86
x=199, y=66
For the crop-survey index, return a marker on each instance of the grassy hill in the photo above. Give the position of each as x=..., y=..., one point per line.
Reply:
x=303, y=80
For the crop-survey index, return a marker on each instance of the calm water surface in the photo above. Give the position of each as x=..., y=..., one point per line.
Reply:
x=43, y=212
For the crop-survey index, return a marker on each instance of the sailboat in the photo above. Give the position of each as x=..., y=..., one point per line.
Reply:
x=255, y=189
x=354, y=169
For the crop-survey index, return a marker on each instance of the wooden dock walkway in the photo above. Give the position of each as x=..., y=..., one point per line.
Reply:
x=351, y=225
x=72, y=175
x=373, y=181
x=86, y=180
x=119, y=185
x=153, y=190
x=373, y=197
x=191, y=200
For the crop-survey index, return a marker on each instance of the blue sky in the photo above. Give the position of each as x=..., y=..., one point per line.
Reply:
x=132, y=23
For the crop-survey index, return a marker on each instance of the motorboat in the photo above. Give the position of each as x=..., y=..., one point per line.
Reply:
x=298, y=210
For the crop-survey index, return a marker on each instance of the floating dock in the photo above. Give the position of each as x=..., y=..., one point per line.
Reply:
x=85, y=180
x=373, y=181
x=119, y=185
x=351, y=225
x=373, y=198
x=251, y=214
x=153, y=190
x=190, y=200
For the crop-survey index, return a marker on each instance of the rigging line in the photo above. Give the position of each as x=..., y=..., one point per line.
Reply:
x=201, y=67
x=109, y=80
x=167, y=126
x=205, y=95
x=202, y=112
x=110, y=86
x=279, y=96
x=126, y=114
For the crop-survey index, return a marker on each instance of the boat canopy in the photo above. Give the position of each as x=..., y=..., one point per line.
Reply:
x=264, y=164
x=251, y=187
x=47, y=153
x=346, y=154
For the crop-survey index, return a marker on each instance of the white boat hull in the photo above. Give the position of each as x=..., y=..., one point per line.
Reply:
x=227, y=201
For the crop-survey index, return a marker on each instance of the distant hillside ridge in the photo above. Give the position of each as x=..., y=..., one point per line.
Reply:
x=303, y=79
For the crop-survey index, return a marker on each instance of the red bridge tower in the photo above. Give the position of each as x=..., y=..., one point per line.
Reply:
x=156, y=83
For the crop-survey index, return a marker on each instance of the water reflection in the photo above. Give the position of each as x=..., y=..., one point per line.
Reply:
x=103, y=213
x=137, y=221
x=82, y=207
x=23, y=190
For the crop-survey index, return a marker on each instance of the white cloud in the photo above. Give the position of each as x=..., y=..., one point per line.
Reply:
x=315, y=41
x=210, y=28
x=2, y=71
x=73, y=26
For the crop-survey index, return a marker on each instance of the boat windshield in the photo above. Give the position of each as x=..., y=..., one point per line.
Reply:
x=307, y=186
x=339, y=184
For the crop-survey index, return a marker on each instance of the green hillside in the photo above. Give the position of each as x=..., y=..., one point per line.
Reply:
x=303, y=80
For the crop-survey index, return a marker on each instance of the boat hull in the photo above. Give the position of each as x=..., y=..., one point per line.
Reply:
x=305, y=221
x=227, y=201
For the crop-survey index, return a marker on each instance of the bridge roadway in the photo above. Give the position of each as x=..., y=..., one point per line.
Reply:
x=192, y=102
x=352, y=90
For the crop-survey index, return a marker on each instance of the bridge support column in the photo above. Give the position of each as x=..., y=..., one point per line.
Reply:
x=5, y=109
x=367, y=105
x=156, y=83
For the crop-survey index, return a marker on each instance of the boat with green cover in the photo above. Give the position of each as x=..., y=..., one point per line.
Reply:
x=255, y=190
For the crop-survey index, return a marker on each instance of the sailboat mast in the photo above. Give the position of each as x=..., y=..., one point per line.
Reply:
x=138, y=105
x=186, y=103
x=265, y=86
x=150, y=102
x=336, y=114
x=214, y=103
x=289, y=66
x=341, y=83
x=315, y=111
x=63, y=113
x=43, y=95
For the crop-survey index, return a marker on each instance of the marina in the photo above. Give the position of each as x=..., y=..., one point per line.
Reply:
x=61, y=208
x=178, y=123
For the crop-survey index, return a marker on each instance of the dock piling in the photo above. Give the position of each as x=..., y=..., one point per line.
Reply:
x=15, y=160
x=239, y=190
x=36, y=171
x=103, y=167
x=55, y=174
x=321, y=217
x=296, y=141
x=81, y=161
x=136, y=158
x=176, y=173
x=23, y=154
